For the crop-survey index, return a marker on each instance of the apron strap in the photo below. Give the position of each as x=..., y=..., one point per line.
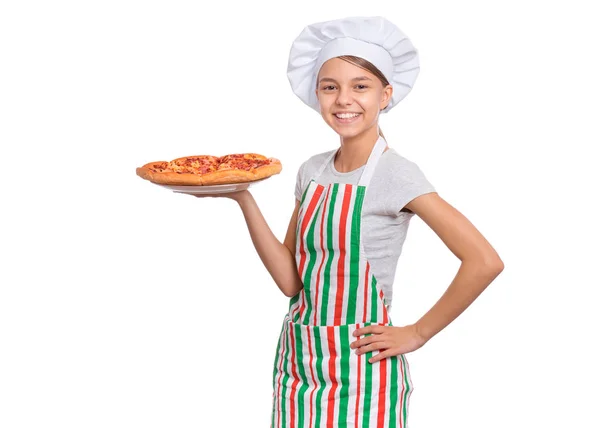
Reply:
x=376, y=153
x=323, y=166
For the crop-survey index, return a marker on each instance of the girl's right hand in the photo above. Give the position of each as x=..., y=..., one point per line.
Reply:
x=231, y=195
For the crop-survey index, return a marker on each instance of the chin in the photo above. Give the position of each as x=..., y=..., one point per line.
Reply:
x=348, y=132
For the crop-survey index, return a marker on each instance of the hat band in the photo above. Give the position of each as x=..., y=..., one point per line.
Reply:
x=375, y=54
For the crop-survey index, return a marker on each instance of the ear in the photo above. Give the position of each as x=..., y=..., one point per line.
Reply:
x=386, y=96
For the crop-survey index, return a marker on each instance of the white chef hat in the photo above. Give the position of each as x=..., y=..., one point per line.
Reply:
x=372, y=38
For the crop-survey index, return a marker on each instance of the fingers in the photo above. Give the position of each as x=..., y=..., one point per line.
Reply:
x=372, y=347
x=384, y=349
x=382, y=355
x=365, y=341
x=370, y=329
x=206, y=195
x=376, y=341
x=378, y=331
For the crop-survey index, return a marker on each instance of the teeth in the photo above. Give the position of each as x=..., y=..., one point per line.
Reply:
x=347, y=115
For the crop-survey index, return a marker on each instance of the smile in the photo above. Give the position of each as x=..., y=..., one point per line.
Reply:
x=347, y=117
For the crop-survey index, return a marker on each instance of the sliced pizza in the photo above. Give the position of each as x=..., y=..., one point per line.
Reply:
x=205, y=170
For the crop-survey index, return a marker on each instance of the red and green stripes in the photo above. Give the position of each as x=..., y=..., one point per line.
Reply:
x=329, y=258
x=318, y=380
x=323, y=383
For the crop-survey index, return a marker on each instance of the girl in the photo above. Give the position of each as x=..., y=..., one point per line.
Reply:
x=340, y=361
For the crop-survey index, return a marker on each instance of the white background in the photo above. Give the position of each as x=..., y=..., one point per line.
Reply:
x=123, y=304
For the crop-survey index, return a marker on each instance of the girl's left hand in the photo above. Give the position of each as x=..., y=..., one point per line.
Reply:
x=389, y=340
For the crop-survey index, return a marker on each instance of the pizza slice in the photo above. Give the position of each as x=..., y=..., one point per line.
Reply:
x=187, y=170
x=242, y=167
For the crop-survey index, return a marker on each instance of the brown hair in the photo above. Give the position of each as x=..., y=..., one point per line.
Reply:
x=363, y=63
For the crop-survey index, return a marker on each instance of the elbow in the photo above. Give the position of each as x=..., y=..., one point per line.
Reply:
x=291, y=292
x=485, y=262
x=494, y=265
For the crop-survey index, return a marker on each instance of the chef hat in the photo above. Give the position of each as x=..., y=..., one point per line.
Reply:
x=372, y=38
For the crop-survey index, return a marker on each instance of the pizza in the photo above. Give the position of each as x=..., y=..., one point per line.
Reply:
x=206, y=170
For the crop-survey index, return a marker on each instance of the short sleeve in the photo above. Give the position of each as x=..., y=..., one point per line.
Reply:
x=300, y=182
x=409, y=182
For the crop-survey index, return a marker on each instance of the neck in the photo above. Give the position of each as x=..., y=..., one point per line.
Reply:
x=354, y=151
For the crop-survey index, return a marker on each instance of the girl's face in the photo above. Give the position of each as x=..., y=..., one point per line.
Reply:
x=345, y=88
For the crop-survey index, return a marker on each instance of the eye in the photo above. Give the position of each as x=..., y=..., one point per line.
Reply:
x=327, y=87
x=363, y=86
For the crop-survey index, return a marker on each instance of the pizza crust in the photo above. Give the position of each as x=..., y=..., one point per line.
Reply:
x=175, y=178
x=227, y=176
x=268, y=170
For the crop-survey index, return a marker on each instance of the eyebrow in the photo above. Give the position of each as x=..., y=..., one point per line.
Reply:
x=329, y=79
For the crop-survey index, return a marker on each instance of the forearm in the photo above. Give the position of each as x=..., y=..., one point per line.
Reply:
x=470, y=281
x=276, y=257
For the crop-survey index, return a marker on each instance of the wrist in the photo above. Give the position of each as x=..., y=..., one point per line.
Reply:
x=243, y=197
x=421, y=332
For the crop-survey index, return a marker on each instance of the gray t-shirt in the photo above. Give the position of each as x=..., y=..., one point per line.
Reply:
x=395, y=182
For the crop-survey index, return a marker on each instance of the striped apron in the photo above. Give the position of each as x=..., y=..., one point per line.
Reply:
x=318, y=380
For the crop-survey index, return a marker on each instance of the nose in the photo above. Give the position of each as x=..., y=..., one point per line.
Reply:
x=344, y=97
